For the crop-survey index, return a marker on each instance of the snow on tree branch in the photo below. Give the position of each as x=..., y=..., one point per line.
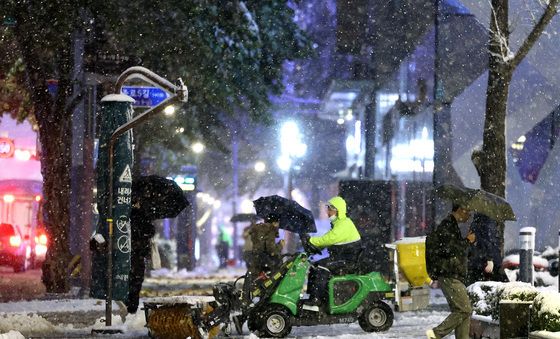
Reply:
x=549, y=12
x=500, y=39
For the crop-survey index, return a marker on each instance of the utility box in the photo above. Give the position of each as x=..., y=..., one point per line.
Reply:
x=515, y=319
x=417, y=298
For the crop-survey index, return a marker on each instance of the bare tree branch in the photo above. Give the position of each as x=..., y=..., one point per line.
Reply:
x=549, y=12
x=500, y=39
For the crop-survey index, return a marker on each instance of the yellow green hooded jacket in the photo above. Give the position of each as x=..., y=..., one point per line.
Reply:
x=343, y=230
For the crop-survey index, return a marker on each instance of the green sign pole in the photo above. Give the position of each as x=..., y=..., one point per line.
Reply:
x=110, y=268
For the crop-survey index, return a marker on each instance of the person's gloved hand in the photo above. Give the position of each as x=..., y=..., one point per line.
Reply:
x=471, y=237
x=308, y=246
x=489, y=266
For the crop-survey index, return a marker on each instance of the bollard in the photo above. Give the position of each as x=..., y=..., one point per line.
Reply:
x=527, y=247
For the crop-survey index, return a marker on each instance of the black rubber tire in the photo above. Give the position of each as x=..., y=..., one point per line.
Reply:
x=21, y=265
x=276, y=322
x=377, y=317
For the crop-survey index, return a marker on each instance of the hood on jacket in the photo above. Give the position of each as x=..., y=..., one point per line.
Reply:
x=340, y=206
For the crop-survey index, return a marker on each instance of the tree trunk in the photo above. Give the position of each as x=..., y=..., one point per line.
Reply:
x=55, y=168
x=492, y=168
x=55, y=135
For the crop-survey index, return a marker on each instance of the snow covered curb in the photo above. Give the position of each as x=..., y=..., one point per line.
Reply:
x=544, y=335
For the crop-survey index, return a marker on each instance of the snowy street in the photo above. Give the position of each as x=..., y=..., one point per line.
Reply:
x=243, y=167
x=65, y=318
x=76, y=317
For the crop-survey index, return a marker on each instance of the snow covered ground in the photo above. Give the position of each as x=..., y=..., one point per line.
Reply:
x=77, y=317
x=26, y=318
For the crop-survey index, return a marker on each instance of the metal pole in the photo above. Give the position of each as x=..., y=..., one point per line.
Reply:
x=526, y=246
x=235, y=165
x=290, y=237
x=181, y=95
x=109, y=296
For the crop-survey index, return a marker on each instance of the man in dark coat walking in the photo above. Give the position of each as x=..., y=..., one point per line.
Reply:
x=446, y=262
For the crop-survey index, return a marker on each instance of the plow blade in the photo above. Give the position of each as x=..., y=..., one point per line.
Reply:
x=178, y=320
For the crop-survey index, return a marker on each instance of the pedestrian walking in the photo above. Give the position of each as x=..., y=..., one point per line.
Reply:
x=446, y=262
x=223, y=245
x=485, y=259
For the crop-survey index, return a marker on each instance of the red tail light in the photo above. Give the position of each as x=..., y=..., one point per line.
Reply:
x=42, y=239
x=15, y=240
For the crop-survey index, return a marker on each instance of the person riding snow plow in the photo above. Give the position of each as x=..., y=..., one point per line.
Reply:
x=276, y=303
x=343, y=242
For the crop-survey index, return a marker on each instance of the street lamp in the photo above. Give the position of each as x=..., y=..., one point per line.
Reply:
x=169, y=110
x=197, y=147
x=260, y=166
x=292, y=148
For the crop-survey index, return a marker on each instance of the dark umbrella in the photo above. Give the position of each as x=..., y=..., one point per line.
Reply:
x=291, y=215
x=157, y=197
x=478, y=200
x=245, y=217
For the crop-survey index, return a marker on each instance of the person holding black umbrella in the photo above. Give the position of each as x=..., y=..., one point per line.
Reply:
x=153, y=197
x=343, y=242
x=485, y=258
x=446, y=263
x=266, y=253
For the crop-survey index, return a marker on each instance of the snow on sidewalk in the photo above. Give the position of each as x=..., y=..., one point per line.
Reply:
x=30, y=318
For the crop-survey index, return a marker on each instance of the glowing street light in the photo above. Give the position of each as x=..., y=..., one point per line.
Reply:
x=291, y=140
x=197, y=147
x=292, y=147
x=169, y=110
x=260, y=166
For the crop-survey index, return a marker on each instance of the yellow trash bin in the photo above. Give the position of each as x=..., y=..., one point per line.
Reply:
x=412, y=260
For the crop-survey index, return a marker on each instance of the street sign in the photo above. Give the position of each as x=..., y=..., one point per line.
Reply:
x=145, y=96
x=107, y=62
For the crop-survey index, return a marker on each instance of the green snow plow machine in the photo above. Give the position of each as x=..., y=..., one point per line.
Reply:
x=276, y=303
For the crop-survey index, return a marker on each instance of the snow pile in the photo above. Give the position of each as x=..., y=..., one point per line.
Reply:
x=487, y=295
x=546, y=311
x=482, y=294
x=31, y=324
x=12, y=335
x=518, y=291
x=550, y=252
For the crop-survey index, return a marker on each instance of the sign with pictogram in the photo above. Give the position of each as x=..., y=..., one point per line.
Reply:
x=126, y=175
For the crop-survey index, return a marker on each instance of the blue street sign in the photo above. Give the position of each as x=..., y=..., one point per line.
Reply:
x=145, y=96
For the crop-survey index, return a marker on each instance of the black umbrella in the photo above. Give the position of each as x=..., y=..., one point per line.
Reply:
x=245, y=217
x=477, y=200
x=157, y=197
x=291, y=215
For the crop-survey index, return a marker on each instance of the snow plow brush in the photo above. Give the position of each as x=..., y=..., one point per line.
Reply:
x=177, y=318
